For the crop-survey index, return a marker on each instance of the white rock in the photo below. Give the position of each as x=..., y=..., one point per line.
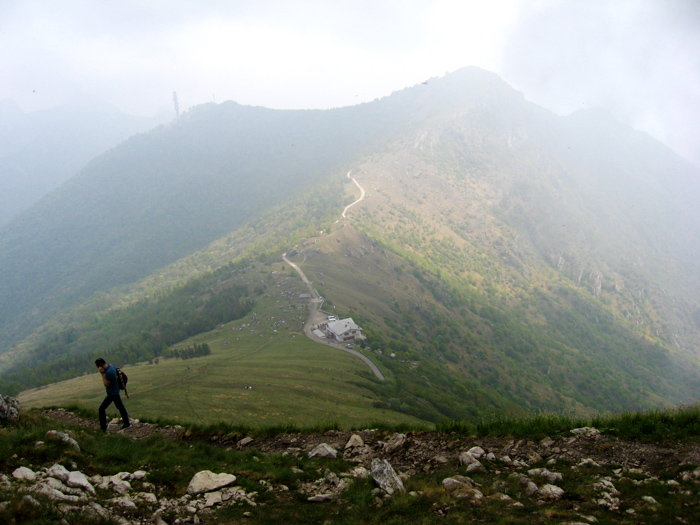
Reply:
x=649, y=499
x=547, y=442
x=395, y=442
x=354, y=441
x=458, y=488
x=139, y=474
x=359, y=472
x=588, y=461
x=475, y=466
x=60, y=486
x=243, y=442
x=96, y=479
x=98, y=509
x=236, y=493
x=499, y=496
x=59, y=472
x=465, y=458
x=607, y=486
x=385, y=476
x=207, y=481
x=477, y=452
x=118, y=485
x=586, y=431
x=324, y=450
x=212, y=498
x=123, y=502
x=45, y=490
x=531, y=489
x=551, y=492
x=147, y=497
x=451, y=484
x=589, y=519
x=551, y=477
x=78, y=480
x=609, y=501
x=534, y=458
x=24, y=474
x=64, y=437
x=320, y=497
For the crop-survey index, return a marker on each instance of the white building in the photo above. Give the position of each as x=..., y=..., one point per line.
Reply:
x=343, y=330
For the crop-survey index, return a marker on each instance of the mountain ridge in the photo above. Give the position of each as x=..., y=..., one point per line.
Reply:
x=519, y=240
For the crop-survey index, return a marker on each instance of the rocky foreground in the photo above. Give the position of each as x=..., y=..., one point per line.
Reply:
x=583, y=477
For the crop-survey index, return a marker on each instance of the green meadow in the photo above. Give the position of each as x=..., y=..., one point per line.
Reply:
x=257, y=375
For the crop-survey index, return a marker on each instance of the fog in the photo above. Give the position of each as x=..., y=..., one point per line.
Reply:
x=638, y=59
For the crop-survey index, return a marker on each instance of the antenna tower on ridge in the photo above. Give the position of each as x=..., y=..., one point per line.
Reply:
x=177, y=106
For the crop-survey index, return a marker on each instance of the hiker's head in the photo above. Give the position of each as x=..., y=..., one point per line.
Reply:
x=100, y=363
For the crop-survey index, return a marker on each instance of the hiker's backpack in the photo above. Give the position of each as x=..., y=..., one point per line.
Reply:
x=122, y=380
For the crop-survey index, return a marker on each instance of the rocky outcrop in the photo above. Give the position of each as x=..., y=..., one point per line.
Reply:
x=9, y=407
x=323, y=450
x=74, y=494
x=207, y=481
x=504, y=473
x=62, y=436
x=385, y=476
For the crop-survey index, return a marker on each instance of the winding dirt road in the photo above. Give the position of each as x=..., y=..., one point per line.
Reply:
x=317, y=301
x=362, y=194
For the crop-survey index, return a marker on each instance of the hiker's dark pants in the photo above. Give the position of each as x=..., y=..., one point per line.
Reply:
x=117, y=400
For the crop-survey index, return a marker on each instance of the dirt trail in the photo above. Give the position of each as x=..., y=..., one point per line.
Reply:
x=362, y=194
x=422, y=448
x=313, y=319
x=316, y=302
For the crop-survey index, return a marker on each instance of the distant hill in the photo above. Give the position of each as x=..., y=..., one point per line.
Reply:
x=42, y=149
x=504, y=258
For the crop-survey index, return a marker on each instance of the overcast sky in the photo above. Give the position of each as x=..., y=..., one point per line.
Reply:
x=640, y=59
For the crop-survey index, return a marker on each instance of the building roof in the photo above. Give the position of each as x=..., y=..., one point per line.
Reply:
x=342, y=326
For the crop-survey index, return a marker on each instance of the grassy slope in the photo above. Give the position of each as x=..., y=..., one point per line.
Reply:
x=398, y=295
x=517, y=333
x=294, y=380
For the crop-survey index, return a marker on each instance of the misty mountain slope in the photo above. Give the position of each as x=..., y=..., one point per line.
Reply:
x=163, y=194
x=501, y=227
x=42, y=149
x=156, y=198
x=460, y=352
x=624, y=228
x=500, y=253
x=485, y=229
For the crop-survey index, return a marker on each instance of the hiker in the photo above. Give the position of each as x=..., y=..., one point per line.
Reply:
x=109, y=378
